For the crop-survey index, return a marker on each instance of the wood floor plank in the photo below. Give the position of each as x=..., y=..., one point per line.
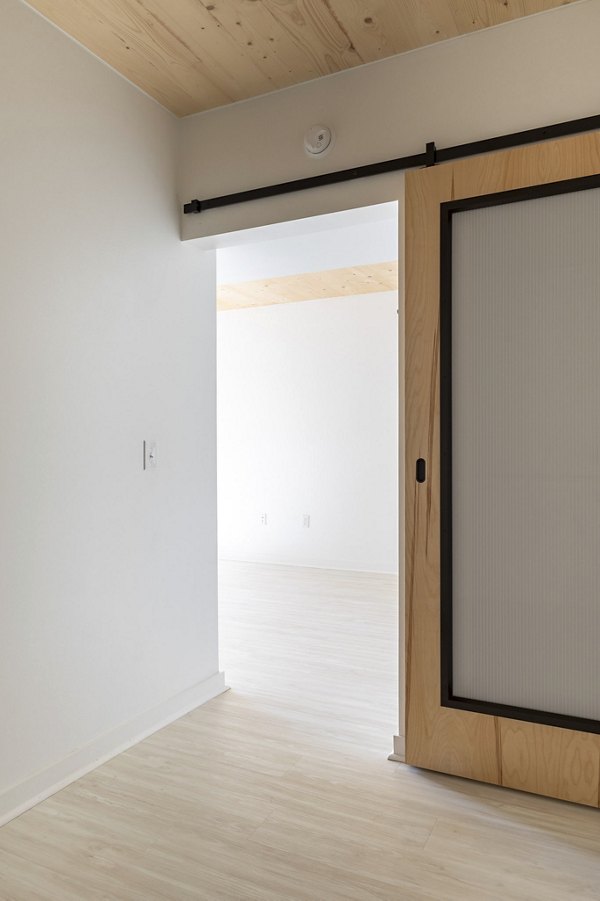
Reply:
x=280, y=790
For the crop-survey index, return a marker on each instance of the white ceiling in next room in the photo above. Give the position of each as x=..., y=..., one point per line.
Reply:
x=340, y=254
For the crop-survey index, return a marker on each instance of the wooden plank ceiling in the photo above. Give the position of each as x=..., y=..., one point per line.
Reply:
x=193, y=55
x=330, y=283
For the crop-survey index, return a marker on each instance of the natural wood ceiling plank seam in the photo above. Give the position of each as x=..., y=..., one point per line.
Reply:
x=473, y=15
x=415, y=24
x=367, y=30
x=468, y=17
x=262, y=43
x=315, y=30
x=211, y=48
x=259, y=21
x=532, y=7
x=311, y=45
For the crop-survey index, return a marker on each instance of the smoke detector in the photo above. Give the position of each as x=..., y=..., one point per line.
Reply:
x=318, y=140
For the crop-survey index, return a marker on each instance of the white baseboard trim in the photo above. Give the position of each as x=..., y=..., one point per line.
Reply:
x=399, y=753
x=16, y=800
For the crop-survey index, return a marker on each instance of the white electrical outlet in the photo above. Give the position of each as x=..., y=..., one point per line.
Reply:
x=263, y=519
x=306, y=520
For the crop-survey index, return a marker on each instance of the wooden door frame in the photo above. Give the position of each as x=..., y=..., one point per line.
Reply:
x=545, y=759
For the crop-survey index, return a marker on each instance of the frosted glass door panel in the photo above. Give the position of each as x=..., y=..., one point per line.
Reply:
x=526, y=454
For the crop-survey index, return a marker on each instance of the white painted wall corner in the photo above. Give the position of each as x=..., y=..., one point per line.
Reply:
x=20, y=798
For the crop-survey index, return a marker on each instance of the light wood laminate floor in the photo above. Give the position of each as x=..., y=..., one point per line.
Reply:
x=280, y=789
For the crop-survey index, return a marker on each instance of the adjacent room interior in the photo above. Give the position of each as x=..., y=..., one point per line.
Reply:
x=308, y=466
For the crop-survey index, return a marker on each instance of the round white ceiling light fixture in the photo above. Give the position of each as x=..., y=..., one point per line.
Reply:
x=318, y=140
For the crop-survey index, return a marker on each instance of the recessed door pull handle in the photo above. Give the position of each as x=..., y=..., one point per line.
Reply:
x=421, y=470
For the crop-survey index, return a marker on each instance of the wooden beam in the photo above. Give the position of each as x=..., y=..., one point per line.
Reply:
x=370, y=279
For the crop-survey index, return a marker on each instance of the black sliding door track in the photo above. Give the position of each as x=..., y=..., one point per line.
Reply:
x=429, y=157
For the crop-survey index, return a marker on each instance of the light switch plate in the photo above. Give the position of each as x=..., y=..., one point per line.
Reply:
x=150, y=455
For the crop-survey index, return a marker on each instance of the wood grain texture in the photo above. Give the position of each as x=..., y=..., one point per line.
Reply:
x=193, y=55
x=538, y=759
x=346, y=282
x=560, y=763
x=451, y=741
x=279, y=790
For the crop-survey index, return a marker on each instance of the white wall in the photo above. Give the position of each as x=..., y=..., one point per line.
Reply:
x=107, y=324
x=308, y=403
x=308, y=423
x=527, y=73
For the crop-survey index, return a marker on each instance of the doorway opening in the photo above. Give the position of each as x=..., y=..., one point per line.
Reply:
x=308, y=476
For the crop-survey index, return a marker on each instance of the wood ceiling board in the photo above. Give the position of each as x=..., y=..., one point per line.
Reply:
x=264, y=47
x=194, y=55
x=473, y=15
x=347, y=282
x=125, y=35
x=382, y=28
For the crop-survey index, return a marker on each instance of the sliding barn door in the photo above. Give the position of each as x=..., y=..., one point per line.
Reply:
x=503, y=468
